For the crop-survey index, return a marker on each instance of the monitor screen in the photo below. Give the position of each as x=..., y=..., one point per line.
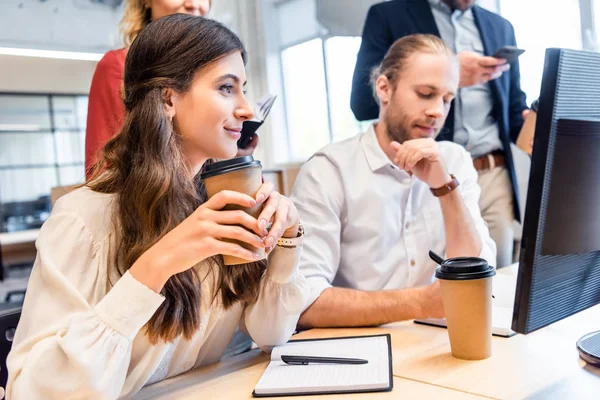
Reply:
x=559, y=266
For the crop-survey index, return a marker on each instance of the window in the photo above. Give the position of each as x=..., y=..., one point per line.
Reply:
x=42, y=140
x=340, y=57
x=317, y=78
x=305, y=98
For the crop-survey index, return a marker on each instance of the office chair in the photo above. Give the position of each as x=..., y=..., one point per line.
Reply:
x=9, y=318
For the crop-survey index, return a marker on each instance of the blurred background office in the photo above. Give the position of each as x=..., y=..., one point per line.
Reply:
x=302, y=50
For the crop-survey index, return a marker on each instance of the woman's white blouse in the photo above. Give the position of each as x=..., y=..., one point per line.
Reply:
x=80, y=335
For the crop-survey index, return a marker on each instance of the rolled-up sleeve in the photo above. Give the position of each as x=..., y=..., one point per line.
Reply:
x=318, y=195
x=72, y=342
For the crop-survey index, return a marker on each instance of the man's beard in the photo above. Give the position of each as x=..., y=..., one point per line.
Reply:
x=399, y=125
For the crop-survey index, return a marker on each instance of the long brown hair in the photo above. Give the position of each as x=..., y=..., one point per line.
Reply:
x=143, y=165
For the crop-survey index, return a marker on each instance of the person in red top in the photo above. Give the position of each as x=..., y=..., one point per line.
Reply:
x=106, y=111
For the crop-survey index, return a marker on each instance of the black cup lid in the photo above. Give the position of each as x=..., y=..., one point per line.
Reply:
x=464, y=268
x=231, y=165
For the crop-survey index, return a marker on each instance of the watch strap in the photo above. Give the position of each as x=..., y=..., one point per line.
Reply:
x=292, y=242
x=447, y=188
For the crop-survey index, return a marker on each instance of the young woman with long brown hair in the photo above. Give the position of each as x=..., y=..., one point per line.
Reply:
x=129, y=287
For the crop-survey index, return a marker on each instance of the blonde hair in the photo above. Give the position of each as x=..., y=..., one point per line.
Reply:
x=401, y=50
x=136, y=15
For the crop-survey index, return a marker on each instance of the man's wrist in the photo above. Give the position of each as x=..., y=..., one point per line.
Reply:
x=410, y=304
x=441, y=182
x=447, y=188
x=424, y=307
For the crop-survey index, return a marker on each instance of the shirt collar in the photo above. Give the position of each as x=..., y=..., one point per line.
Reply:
x=376, y=158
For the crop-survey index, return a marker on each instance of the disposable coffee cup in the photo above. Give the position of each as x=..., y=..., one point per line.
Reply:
x=241, y=174
x=466, y=286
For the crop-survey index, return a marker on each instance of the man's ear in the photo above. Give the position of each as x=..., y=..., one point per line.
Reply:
x=168, y=96
x=383, y=88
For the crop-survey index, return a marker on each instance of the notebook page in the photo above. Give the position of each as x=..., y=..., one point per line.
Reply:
x=282, y=378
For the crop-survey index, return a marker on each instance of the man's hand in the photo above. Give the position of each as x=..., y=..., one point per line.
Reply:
x=525, y=114
x=422, y=158
x=476, y=69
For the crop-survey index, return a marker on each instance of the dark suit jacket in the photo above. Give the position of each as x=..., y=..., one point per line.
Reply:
x=389, y=21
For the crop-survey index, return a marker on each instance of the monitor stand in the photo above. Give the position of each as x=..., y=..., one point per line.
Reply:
x=589, y=348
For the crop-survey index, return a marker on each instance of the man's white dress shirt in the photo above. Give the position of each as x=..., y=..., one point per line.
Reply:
x=368, y=224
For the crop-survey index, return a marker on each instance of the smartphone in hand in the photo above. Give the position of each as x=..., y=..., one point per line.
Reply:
x=509, y=53
x=248, y=131
x=260, y=113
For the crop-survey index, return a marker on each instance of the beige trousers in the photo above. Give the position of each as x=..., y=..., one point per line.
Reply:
x=496, y=204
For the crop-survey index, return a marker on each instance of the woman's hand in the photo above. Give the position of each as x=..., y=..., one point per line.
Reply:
x=281, y=211
x=200, y=236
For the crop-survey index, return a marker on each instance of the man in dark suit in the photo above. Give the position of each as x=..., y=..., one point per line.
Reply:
x=487, y=114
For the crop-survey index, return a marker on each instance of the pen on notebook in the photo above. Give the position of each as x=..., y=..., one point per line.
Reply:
x=305, y=360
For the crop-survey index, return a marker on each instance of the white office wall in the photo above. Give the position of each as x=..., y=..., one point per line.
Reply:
x=67, y=25
x=45, y=75
x=75, y=25
x=491, y=5
x=298, y=21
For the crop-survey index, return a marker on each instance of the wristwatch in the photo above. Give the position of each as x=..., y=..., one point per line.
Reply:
x=535, y=105
x=447, y=188
x=292, y=242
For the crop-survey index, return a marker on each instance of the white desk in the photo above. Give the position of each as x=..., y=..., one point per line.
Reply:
x=235, y=379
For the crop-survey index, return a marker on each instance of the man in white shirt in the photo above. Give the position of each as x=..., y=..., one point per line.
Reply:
x=374, y=205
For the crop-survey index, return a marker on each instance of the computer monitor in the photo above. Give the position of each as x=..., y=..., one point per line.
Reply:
x=559, y=268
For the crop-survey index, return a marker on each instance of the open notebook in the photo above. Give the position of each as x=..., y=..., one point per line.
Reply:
x=375, y=376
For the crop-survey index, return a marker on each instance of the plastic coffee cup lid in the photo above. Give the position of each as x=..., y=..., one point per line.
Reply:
x=464, y=268
x=227, y=166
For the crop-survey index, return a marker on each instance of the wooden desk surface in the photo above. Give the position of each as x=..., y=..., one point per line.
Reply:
x=540, y=366
x=235, y=379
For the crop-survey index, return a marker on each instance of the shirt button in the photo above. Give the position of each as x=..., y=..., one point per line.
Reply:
x=412, y=263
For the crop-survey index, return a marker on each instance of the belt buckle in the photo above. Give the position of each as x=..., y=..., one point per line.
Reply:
x=491, y=160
